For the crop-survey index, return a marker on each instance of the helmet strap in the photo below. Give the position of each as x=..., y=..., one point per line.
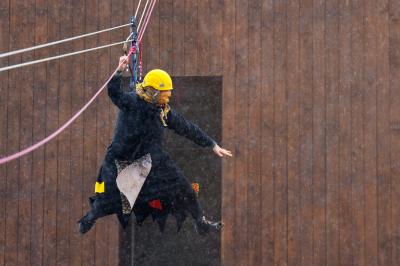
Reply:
x=155, y=97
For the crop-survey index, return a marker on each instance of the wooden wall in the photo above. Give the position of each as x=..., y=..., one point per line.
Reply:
x=310, y=108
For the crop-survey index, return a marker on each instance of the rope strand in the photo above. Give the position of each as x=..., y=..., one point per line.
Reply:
x=143, y=13
x=60, y=56
x=137, y=9
x=153, y=3
x=60, y=41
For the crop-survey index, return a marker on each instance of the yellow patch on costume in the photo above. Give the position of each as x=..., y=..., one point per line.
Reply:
x=99, y=187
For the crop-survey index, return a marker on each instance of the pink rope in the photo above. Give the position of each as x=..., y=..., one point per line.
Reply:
x=72, y=119
x=146, y=21
x=54, y=134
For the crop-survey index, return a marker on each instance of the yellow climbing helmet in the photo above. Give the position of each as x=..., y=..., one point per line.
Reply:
x=158, y=79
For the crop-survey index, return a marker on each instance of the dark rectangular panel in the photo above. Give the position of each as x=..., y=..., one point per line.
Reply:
x=200, y=102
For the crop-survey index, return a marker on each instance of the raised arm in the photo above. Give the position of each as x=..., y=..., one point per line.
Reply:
x=189, y=130
x=122, y=99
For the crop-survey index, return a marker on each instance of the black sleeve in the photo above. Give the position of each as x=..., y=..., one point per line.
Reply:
x=122, y=99
x=189, y=130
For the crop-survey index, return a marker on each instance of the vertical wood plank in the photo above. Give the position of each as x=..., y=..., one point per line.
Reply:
x=241, y=132
x=280, y=134
x=394, y=64
x=306, y=128
x=51, y=149
x=13, y=139
x=332, y=130
x=4, y=47
x=117, y=18
x=39, y=133
x=293, y=145
x=64, y=140
x=383, y=137
x=203, y=37
x=89, y=127
x=346, y=247
x=191, y=36
x=102, y=126
x=370, y=129
x=178, y=27
x=25, y=182
x=267, y=135
x=357, y=134
x=166, y=35
x=254, y=133
x=319, y=134
x=77, y=195
x=228, y=136
x=216, y=36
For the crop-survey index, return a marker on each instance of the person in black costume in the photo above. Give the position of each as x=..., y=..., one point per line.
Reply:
x=143, y=117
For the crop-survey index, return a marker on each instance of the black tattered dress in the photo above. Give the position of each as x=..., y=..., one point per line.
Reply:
x=139, y=131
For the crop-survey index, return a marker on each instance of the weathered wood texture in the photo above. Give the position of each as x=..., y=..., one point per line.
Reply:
x=310, y=109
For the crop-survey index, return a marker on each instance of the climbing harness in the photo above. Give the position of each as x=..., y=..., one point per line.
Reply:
x=72, y=119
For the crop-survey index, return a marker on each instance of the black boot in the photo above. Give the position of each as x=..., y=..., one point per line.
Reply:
x=101, y=205
x=203, y=226
x=86, y=222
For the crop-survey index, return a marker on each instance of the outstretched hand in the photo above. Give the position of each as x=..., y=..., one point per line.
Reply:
x=221, y=152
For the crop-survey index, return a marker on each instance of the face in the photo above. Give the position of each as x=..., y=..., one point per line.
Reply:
x=163, y=97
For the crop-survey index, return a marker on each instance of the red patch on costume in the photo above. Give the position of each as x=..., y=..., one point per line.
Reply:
x=155, y=204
